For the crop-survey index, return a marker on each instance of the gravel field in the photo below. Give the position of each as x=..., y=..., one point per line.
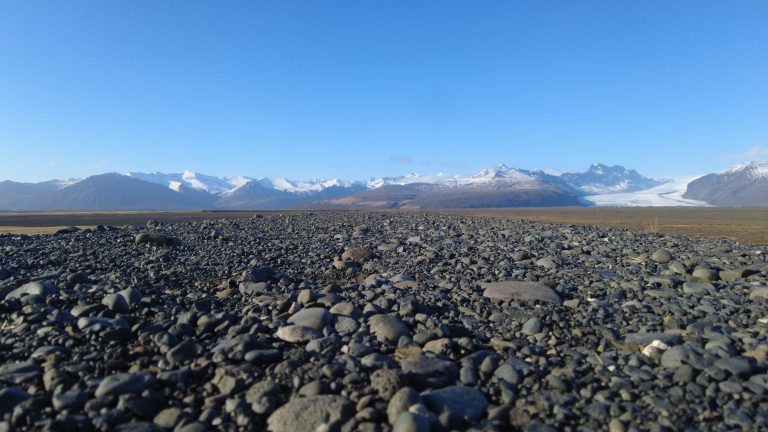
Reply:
x=380, y=322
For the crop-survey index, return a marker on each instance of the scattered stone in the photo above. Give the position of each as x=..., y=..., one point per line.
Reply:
x=183, y=352
x=522, y=291
x=533, y=326
x=324, y=412
x=258, y=275
x=758, y=293
x=170, y=417
x=70, y=400
x=694, y=288
x=156, y=239
x=400, y=402
x=386, y=382
x=67, y=230
x=10, y=397
x=297, y=334
x=317, y=318
x=642, y=339
x=431, y=372
x=548, y=263
x=33, y=288
x=123, y=383
x=465, y=403
x=410, y=422
x=356, y=254
x=387, y=328
x=661, y=256
x=116, y=303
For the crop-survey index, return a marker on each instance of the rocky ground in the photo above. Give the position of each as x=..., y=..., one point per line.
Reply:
x=379, y=322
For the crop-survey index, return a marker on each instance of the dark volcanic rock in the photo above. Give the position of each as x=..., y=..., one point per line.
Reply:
x=258, y=324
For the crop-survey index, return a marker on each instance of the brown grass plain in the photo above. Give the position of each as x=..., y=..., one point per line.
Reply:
x=746, y=225
x=742, y=224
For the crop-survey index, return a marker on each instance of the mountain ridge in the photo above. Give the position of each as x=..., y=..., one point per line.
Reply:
x=496, y=186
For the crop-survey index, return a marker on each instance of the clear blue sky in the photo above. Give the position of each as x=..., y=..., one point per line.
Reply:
x=367, y=88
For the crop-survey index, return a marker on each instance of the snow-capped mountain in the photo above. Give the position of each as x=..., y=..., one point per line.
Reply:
x=201, y=182
x=602, y=179
x=412, y=178
x=304, y=187
x=498, y=173
x=740, y=185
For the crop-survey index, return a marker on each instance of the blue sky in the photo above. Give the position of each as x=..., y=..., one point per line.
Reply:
x=367, y=88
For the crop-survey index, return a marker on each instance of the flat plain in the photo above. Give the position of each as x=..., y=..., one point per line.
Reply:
x=742, y=224
x=745, y=225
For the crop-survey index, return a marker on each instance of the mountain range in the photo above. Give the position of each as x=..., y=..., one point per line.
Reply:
x=497, y=186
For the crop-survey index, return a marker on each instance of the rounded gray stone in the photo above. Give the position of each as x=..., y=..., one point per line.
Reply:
x=387, y=328
x=323, y=412
x=466, y=403
x=519, y=290
x=314, y=317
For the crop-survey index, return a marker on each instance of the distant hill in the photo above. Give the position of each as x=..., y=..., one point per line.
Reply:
x=17, y=196
x=743, y=185
x=118, y=192
x=428, y=196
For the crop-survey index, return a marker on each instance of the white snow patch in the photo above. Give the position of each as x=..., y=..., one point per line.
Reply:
x=61, y=184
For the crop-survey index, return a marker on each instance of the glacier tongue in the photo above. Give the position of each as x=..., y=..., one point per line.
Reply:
x=669, y=194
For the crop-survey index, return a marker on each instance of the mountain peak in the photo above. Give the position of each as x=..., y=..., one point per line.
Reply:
x=754, y=169
x=499, y=172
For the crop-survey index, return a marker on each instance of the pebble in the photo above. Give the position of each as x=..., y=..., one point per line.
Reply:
x=10, y=397
x=297, y=334
x=409, y=422
x=324, y=412
x=464, y=403
x=123, y=383
x=316, y=318
x=533, y=326
x=523, y=291
x=400, y=402
x=661, y=256
x=387, y=328
x=434, y=372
